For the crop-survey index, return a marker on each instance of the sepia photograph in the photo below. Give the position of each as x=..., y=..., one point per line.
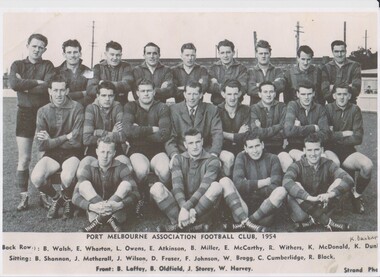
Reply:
x=153, y=141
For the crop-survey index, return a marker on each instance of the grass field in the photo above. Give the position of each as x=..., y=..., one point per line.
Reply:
x=34, y=219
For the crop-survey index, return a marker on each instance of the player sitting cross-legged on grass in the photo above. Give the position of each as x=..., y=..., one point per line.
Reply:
x=106, y=189
x=312, y=183
x=257, y=179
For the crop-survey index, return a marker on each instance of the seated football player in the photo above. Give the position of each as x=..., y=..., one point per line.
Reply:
x=313, y=183
x=106, y=189
x=346, y=123
x=257, y=179
x=59, y=135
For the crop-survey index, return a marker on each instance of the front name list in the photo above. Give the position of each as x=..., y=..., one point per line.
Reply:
x=110, y=253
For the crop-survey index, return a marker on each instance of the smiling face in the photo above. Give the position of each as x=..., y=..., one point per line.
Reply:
x=263, y=56
x=105, y=153
x=194, y=145
x=304, y=61
x=339, y=53
x=226, y=55
x=267, y=94
x=192, y=96
x=254, y=148
x=313, y=152
x=188, y=57
x=113, y=56
x=35, y=49
x=58, y=92
x=72, y=55
x=342, y=96
x=151, y=56
x=145, y=94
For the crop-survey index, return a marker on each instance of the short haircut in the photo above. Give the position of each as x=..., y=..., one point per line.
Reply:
x=343, y=86
x=189, y=46
x=106, y=140
x=263, y=44
x=306, y=49
x=313, y=138
x=231, y=83
x=146, y=82
x=151, y=44
x=57, y=78
x=114, y=45
x=226, y=43
x=71, y=43
x=338, y=43
x=306, y=84
x=192, y=132
x=106, y=85
x=39, y=37
x=194, y=84
x=266, y=83
x=251, y=136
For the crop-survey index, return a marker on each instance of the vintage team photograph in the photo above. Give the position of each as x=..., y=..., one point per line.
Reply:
x=190, y=122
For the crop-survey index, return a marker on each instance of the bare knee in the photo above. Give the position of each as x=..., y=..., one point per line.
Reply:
x=84, y=187
x=214, y=191
x=367, y=167
x=67, y=177
x=278, y=196
x=159, y=192
x=227, y=185
x=141, y=171
x=285, y=160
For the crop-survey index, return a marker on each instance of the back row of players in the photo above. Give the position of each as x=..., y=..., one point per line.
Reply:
x=165, y=139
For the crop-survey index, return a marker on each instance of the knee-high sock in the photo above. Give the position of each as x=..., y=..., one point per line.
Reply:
x=234, y=203
x=22, y=177
x=68, y=192
x=170, y=208
x=315, y=211
x=203, y=205
x=361, y=184
x=48, y=189
x=266, y=208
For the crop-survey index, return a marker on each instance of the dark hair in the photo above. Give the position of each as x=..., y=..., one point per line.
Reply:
x=194, y=84
x=263, y=44
x=313, y=138
x=343, y=86
x=114, y=45
x=251, y=136
x=305, y=84
x=192, y=132
x=189, y=46
x=146, y=82
x=151, y=44
x=338, y=43
x=105, y=139
x=71, y=43
x=265, y=83
x=57, y=78
x=106, y=85
x=39, y=37
x=306, y=49
x=226, y=43
x=231, y=83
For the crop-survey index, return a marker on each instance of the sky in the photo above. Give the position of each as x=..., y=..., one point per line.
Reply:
x=171, y=29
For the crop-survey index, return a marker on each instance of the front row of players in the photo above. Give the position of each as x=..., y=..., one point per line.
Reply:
x=106, y=189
